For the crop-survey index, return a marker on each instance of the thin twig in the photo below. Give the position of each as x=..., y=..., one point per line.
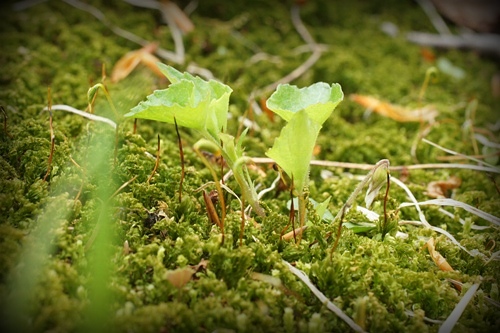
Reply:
x=313, y=58
x=181, y=154
x=157, y=162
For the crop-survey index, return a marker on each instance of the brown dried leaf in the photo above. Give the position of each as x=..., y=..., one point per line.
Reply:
x=439, y=188
x=298, y=231
x=180, y=277
x=129, y=61
x=396, y=112
x=438, y=259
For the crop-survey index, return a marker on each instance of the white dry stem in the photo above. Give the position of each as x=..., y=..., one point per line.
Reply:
x=270, y=188
x=436, y=19
x=423, y=220
x=454, y=203
x=449, y=151
x=481, y=138
x=91, y=116
x=323, y=299
x=313, y=58
x=462, y=221
x=430, y=320
x=175, y=19
x=413, y=199
x=452, y=319
x=361, y=166
x=162, y=53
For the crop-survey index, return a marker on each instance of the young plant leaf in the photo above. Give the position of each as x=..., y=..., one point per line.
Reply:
x=194, y=102
x=292, y=150
x=305, y=110
x=378, y=180
x=318, y=100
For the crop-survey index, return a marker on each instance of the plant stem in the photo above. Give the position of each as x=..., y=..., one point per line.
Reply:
x=302, y=213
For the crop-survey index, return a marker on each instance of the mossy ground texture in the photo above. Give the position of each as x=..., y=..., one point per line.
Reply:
x=79, y=251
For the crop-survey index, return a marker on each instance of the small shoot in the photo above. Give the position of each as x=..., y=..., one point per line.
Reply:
x=376, y=178
x=305, y=111
x=203, y=106
x=52, y=136
x=157, y=161
x=428, y=74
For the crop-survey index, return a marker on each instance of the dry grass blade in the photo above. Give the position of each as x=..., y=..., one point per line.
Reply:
x=452, y=319
x=322, y=298
x=454, y=203
x=449, y=151
x=90, y=116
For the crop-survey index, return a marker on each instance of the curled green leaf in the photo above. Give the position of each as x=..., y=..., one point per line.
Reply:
x=194, y=102
x=318, y=100
x=292, y=150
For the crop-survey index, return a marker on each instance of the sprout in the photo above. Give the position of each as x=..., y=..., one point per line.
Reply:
x=305, y=111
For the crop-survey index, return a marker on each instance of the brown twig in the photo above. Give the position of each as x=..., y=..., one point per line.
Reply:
x=5, y=121
x=52, y=136
x=157, y=162
x=123, y=186
x=212, y=213
x=181, y=154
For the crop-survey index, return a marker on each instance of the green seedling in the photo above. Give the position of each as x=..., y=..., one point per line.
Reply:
x=203, y=106
x=305, y=111
x=376, y=178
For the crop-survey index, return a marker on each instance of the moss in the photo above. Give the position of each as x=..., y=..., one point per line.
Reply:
x=373, y=280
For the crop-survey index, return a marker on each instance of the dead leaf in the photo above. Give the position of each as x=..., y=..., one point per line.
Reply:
x=439, y=188
x=180, y=277
x=396, y=112
x=177, y=15
x=438, y=259
x=129, y=61
x=298, y=231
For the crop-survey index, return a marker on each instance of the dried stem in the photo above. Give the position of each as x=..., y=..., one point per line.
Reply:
x=217, y=185
x=157, y=162
x=360, y=166
x=181, y=154
x=5, y=121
